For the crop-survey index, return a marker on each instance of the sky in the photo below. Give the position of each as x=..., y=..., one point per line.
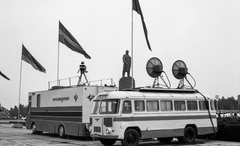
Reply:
x=205, y=34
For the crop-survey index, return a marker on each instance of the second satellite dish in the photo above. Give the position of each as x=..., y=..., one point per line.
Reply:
x=180, y=70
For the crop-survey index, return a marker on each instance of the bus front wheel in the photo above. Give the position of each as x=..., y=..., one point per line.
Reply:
x=131, y=138
x=107, y=142
x=189, y=135
x=61, y=131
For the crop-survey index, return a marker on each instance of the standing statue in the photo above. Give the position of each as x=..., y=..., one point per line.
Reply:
x=126, y=64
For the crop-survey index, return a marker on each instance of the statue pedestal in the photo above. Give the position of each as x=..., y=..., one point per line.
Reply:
x=126, y=83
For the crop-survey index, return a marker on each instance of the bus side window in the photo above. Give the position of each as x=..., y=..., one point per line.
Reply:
x=166, y=105
x=152, y=105
x=192, y=105
x=179, y=105
x=139, y=105
x=212, y=105
x=202, y=105
x=127, y=107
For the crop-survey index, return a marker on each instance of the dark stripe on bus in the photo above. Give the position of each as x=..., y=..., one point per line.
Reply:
x=73, y=114
x=63, y=113
x=146, y=118
x=57, y=118
x=57, y=109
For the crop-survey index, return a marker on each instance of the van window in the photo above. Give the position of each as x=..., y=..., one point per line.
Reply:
x=179, y=105
x=192, y=105
x=166, y=105
x=139, y=105
x=29, y=98
x=202, y=105
x=153, y=105
x=38, y=100
x=127, y=107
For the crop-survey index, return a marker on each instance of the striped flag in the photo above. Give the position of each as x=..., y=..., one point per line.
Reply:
x=136, y=7
x=26, y=56
x=67, y=39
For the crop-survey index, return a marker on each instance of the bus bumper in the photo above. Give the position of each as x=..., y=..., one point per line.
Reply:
x=105, y=136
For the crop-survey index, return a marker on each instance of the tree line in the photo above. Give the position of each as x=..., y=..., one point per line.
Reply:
x=14, y=111
x=229, y=103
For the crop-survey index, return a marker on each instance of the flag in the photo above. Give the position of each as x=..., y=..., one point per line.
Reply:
x=26, y=56
x=136, y=7
x=66, y=38
x=3, y=75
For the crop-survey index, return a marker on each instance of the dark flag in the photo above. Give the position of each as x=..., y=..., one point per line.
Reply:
x=26, y=56
x=66, y=38
x=136, y=7
x=3, y=75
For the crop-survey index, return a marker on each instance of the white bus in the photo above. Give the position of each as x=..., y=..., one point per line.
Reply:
x=152, y=113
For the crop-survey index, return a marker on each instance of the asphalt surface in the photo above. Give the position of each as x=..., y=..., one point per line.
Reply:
x=10, y=136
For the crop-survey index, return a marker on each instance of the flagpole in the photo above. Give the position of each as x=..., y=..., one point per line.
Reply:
x=58, y=56
x=132, y=42
x=58, y=66
x=20, y=83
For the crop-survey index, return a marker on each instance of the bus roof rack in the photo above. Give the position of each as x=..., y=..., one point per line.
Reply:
x=167, y=90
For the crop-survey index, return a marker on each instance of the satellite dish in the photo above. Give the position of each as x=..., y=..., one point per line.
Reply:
x=179, y=69
x=154, y=69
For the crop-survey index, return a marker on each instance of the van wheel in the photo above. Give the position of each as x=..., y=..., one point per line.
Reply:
x=107, y=142
x=131, y=138
x=34, y=131
x=61, y=131
x=165, y=139
x=189, y=135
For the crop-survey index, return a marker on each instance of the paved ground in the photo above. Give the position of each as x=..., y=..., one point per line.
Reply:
x=10, y=136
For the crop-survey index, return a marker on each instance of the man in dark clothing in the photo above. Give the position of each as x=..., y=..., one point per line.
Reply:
x=82, y=70
x=126, y=64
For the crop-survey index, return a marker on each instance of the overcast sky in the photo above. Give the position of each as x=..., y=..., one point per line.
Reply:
x=205, y=34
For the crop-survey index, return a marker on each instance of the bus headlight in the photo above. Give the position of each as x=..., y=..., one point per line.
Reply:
x=90, y=129
x=108, y=130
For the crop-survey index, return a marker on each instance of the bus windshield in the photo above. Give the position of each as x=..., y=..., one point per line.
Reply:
x=109, y=106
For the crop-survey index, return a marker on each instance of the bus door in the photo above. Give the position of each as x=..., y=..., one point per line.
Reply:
x=126, y=113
